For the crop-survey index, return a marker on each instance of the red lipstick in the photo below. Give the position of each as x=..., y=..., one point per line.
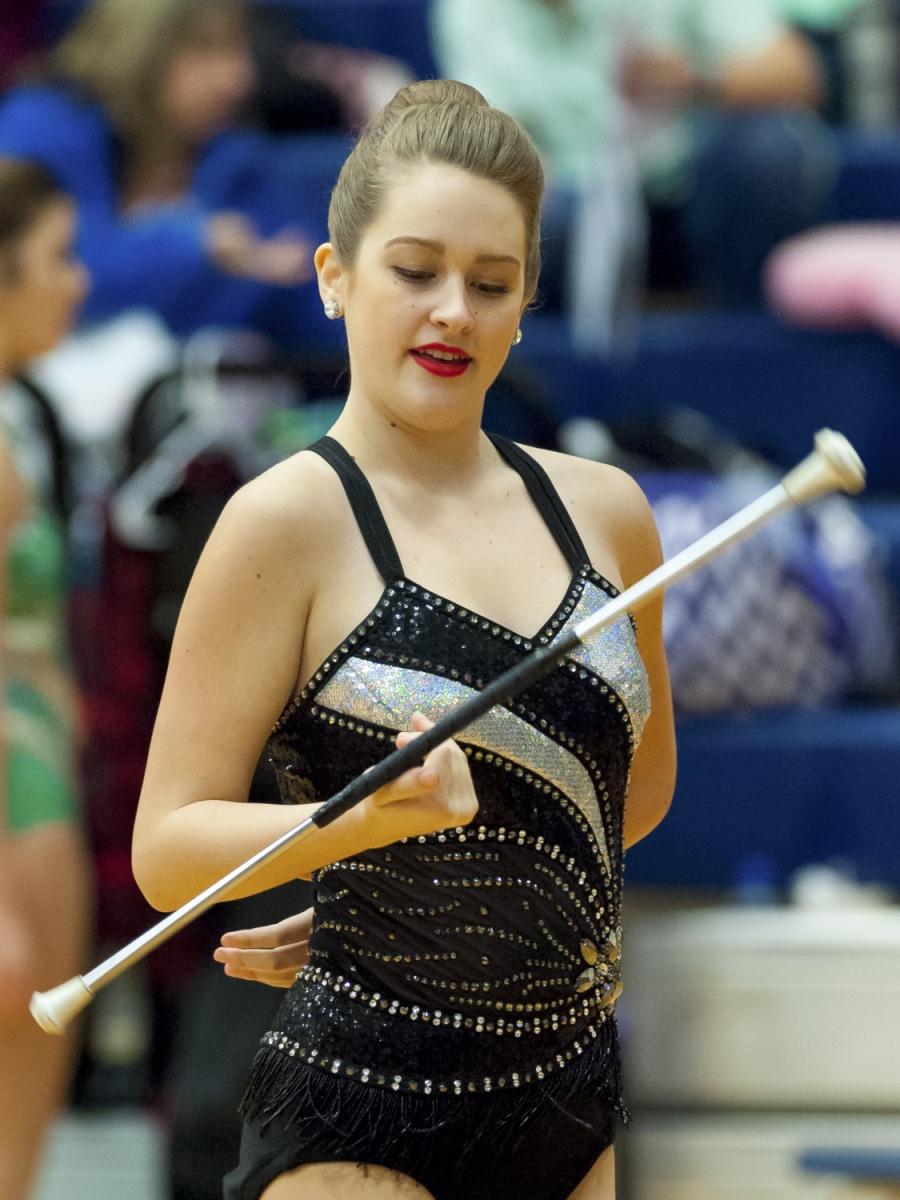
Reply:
x=441, y=360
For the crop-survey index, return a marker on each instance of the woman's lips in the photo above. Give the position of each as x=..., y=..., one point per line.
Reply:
x=441, y=360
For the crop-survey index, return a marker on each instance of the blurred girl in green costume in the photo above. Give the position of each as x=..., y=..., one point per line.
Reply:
x=44, y=891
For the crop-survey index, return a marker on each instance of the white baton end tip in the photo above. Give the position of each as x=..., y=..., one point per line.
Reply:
x=849, y=471
x=833, y=466
x=54, y=1010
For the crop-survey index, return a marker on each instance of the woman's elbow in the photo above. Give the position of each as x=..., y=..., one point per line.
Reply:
x=152, y=874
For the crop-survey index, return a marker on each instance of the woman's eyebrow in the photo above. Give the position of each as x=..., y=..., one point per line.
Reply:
x=440, y=248
x=416, y=241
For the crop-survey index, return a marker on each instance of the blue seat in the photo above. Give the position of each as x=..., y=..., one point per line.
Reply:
x=770, y=385
x=868, y=182
x=796, y=787
x=316, y=160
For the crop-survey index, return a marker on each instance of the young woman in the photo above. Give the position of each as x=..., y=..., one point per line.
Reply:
x=44, y=894
x=180, y=211
x=453, y=1029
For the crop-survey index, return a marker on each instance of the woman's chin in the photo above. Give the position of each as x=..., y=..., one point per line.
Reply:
x=439, y=405
x=437, y=418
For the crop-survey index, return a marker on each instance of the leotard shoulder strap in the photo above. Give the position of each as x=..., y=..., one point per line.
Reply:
x=547, y=500
x=366, y=510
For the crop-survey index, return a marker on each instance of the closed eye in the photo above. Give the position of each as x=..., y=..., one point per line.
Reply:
x=414, y=276
x=421, y=276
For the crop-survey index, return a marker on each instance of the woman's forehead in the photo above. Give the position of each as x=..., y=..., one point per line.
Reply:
x=445, y=208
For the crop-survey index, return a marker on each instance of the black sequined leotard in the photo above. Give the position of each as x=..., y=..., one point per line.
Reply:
x=455, y=1021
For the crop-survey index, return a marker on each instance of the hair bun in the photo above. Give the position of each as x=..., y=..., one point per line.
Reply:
x=432, y=92
x=436, y=121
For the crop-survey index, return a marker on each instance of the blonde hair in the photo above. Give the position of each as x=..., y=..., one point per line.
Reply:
x=437, y=121
x=118, y=50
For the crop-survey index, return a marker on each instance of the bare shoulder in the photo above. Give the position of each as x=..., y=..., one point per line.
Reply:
x=606, y=502
x=293, y=508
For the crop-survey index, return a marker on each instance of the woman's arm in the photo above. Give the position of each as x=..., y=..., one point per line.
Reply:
x=635, y=542
x=233, y=667
x=616, y=522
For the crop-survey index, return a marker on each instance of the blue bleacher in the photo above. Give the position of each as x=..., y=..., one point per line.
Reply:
x=768, y=384
x=796, y=787
x=868, y=182
x=876, y=1166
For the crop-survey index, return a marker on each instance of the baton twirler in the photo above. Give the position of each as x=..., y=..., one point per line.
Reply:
x=833, y=466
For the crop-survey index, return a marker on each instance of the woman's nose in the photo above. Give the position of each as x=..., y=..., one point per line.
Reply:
x=453, y=308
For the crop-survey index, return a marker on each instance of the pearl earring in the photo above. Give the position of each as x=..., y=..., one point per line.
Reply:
x=517, y=338
x=332, y=309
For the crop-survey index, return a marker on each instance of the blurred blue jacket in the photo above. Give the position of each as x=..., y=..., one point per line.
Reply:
x=157, y=259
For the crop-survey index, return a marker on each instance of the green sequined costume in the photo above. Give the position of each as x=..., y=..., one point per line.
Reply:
x=38, y=706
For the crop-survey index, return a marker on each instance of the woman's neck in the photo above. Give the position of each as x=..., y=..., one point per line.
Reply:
x=448, y=459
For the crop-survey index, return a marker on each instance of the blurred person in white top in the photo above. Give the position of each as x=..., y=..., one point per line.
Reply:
x=705, y=108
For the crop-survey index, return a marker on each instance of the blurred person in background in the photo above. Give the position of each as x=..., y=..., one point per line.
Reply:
x=307, y=86
x=44, y=890
x=20, y=35
x=707, y=109
x=722, y=103
x=180, y=212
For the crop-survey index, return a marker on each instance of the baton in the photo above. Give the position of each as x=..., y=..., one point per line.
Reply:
x=832, y=466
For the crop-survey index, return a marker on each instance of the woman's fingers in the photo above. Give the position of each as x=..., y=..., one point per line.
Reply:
x=277, y=968
x=443, y=783
x=415, y=782
x=281, y=959
x=295, y=928
x=270, y=954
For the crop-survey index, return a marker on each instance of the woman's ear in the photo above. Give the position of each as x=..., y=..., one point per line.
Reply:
x=330, y=273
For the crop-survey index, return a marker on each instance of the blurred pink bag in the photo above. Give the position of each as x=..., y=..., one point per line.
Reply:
x=839, y=277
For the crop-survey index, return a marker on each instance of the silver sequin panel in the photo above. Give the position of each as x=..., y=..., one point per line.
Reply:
x=388, y=696
x=612, y=653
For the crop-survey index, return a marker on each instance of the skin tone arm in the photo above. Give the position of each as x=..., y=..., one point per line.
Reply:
x=637, y=548
x=232, y=669
x=783, y=75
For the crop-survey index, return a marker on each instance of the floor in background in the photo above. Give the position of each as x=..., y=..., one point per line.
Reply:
x=116, y=1155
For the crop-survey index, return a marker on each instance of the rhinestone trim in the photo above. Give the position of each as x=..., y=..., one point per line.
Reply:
x=523, y=1074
